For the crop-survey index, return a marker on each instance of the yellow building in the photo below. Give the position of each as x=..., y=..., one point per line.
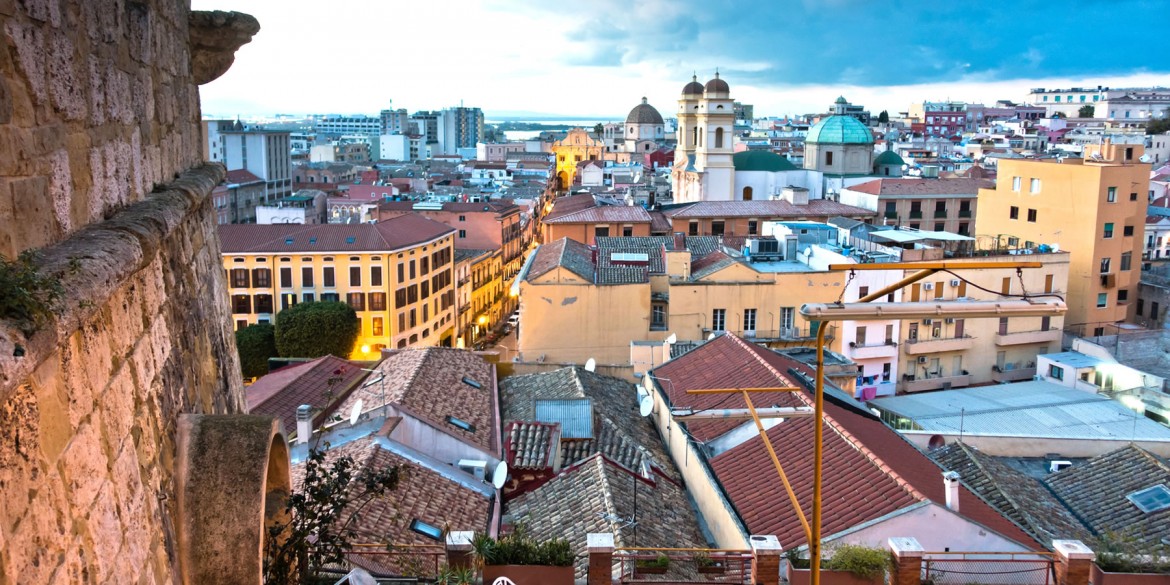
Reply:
x=578, y=303
x=396, y=274
x=578, y=146
x=481, y=292
x=1094, y=208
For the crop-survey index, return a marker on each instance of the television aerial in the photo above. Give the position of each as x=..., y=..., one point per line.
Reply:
x=355, y=412
x=500, y=475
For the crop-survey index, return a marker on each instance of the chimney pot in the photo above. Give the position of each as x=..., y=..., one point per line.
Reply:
x=304, y=423
x=951, y=481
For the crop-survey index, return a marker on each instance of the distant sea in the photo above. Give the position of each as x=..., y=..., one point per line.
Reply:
x=532, y=134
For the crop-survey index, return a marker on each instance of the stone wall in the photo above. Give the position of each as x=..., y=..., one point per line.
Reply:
x=100, y=167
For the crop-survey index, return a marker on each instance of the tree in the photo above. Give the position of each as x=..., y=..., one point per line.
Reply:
x=317, y=529
x=1086, y=111
x=255, y=344
x=598, y=129
x=884, y=117
x=1159, y=125
x=310, y=330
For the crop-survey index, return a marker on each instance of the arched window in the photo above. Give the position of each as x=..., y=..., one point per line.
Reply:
x=719, y=138
x=747, y=193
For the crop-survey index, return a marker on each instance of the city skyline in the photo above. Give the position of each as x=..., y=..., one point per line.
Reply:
x=523, y=59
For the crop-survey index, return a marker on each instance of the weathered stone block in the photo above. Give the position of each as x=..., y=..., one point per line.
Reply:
x=117, y=407
x=84, y=466
x=36, y=227
x=104, y=529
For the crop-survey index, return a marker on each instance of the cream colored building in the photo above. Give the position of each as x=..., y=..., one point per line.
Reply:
x=396, y=274
x=1094, y=208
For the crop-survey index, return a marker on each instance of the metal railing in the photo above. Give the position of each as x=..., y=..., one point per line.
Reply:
x=683, y=565
x=989, y=568
x=396, y=560
x=782, y=334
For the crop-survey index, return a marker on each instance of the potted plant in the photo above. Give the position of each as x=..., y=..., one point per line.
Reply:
x=654, y=566
x=524, y=560
x=455, y=576
x=707, y=565
x=1121, y=559
x=845, y=564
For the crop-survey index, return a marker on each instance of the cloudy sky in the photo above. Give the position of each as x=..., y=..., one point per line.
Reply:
x=598, y=58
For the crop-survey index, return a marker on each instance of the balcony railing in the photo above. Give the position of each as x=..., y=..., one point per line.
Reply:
x=1026, y=337
x=646, y=565
x=784, y=334
x=891, y=215
x=873, y=350
x=1012, y=373
x=913, y=384
x=940, y=214
x=915, y=215
x=938, y=344
x=965, y=213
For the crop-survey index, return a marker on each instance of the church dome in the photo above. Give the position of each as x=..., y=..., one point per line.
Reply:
x=644, y=113
x=761, y=160
x=888, y=158
x=839, y=130
x=717, y=85
x=694, y=87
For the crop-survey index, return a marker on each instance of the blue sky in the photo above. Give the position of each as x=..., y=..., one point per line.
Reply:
x=598, y=58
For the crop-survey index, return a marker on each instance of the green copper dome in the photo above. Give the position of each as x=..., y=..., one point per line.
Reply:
x=761, y=160
x=888, y=157
x=839, y=130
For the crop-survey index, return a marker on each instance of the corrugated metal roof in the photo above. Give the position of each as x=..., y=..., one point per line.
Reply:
x=574, y=416
x=1025, y=409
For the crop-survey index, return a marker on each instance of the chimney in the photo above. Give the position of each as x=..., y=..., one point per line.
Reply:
x=951, y=481
x=304, y=423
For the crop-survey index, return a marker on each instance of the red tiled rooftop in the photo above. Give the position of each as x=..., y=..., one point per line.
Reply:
x=963, y=186
x=768, y=209
x=390, y=234
x=279, y=393
x=242, y=177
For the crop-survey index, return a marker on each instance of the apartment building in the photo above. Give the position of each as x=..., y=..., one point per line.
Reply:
x=264, y=153
x=929, y=204
x=480, y=289
x=1092, y=207
x=396, y=274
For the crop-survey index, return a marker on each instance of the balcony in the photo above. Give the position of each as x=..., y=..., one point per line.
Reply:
x=877, y=350
x=1026, y=337
x=1012, y=373
x=785, y=334
x=940, y=214
x=915, y=215
x=938, y=344
x=935, y=383
x=891, y=215
x=965, y=213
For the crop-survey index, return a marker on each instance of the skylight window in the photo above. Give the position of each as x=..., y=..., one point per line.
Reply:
x=472, y=383
x=288, y=241
x=350, y=240
x=1151, y=499
x=460, y=424
x=427, y=530
x=313, y=240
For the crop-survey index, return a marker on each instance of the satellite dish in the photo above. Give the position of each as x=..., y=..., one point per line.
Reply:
x=591, y=365
x=1146, y=158
x=673, y=339
x=645, y=406
x=712, y=336
x=355, y=412
x=500, y=475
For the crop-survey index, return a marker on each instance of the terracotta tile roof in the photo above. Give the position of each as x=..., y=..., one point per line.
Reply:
x=1096, y=491
x=366, y=193
x=710, y=264
x=498, y=207
x=390, y=234
x=597, y=496
x=427, y=383
x=422, y=494
x=619, y=432
x=528, y=445
x=659, y=223
x=968, y=187
x=609, y=247
x=279, y=393
x=1014, y=494
x=571, y=254
x=602, y=214
x=462, y=254
x=241, y=177
x=773, y=209
x=869, y=471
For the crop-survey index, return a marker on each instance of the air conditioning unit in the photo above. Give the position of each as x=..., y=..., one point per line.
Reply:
x=922, y=359
x=955, y=282
x=475, y=467
x=928, y=286
x=949, y=320
x=928, y=322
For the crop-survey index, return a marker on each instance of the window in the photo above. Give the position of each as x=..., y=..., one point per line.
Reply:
x=261, y=278
x=460, y=424
x=718, y=319
x=427, y=530
x=375, y=276
x=287, y=300
x=693, y=229
x=787, y=317
x=1055, y=372
x=658, y=316
x=1014, y=212
x=627, y=231
x=378, y=301
x=747, y=193
x=1126, y=260
x=719, y=138
x=462, y=234
x=749, y=319
x=1108, y=231
x=306, y=276
x=308, y=297
x=355, y=276
x=1141, y=305
x=462, y=218
x=241, y=304
x=412, y=271
x=964, y=229
x=400, y=298
x=860, y=338
x=1045, y=323
x=717, y=228
x=1016, y=184
x=1111, y=195
x=401, y=272
x=1102, y=300
x=753, y=227
x=1133, y=196
x=1034, y=186
x=240, y=278
x=1122, y=296
x=424, y=265
x=1151, y=499
x=1154, y=310
x=1105, y=265
x=330, y=297
x=376, y=326
x=263, y=303
x=286, y=277
x=938, y=226
x=1127, y=231
x=829, y=158
x=327, y=276
x=601, y=231
x=1032, y=215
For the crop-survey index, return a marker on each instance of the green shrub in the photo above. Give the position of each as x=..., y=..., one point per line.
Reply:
x=1124, y=553
x=28, y=299
x=864, y=561
x=311, y=330
x=517, y=548
x=659, y=562
x=255, y=344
